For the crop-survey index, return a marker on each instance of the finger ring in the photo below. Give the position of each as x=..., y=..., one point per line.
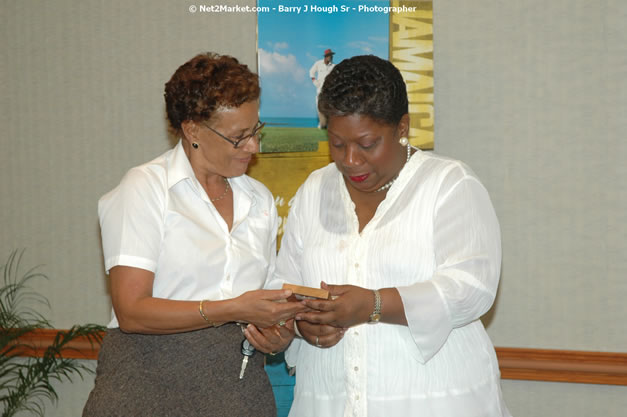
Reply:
x=282, y=323
x=318, y=341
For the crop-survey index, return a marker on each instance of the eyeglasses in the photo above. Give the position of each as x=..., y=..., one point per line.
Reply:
x=242, y=141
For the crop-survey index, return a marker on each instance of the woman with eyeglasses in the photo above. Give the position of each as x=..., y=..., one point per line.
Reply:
x=189, y=241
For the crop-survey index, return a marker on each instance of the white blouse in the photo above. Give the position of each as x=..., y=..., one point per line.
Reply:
x=436, y=238
x=160, y=219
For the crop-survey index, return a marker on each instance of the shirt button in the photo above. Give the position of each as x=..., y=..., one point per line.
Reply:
x=357, y=397
x=356, y=265
x=356, y=368
x=356, y=333
x=228, y=277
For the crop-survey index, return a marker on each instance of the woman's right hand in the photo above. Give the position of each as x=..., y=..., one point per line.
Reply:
x=265, y=308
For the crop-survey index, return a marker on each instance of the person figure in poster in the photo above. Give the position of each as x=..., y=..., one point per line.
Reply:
x=318, y=73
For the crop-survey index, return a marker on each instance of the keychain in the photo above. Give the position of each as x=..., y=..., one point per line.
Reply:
x=247, y=350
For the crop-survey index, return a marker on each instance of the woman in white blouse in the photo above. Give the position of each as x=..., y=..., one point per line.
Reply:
x=408, y=243
x=189, y=241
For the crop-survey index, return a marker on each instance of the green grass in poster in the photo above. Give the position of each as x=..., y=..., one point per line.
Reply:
x=292, y=139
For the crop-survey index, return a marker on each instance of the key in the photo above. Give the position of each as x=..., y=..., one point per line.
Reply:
x=244, y=363
x=247, y=350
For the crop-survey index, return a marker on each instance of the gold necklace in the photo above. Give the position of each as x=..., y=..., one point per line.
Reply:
x=226, y=190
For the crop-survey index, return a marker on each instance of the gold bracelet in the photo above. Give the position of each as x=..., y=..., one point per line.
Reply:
x=202, y=313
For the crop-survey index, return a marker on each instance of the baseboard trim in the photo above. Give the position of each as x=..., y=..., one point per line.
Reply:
x=553, y=365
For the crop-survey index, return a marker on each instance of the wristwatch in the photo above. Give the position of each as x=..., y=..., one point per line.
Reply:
x=375, y=316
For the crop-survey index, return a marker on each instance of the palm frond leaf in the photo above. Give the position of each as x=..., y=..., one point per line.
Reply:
x=26, y=382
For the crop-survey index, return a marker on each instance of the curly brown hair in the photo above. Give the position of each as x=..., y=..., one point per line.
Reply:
x=366, y=85
x=205, y=83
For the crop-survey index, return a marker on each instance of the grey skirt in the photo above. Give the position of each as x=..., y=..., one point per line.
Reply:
x=186, y=374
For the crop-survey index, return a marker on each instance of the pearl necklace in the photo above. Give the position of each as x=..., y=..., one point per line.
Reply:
x=226, y=190
x=389, y=184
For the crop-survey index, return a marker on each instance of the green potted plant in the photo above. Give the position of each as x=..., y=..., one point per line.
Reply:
x=26, y=380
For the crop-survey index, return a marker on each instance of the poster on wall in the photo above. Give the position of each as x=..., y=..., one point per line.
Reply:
x=300, y=41
x=411, y=51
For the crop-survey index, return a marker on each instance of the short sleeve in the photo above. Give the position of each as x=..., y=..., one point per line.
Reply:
x=131, y=220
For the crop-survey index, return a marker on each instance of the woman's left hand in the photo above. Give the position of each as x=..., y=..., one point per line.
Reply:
x=271, y=339
x=352, y=305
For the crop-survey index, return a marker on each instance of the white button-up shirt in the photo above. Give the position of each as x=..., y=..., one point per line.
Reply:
x=160, y=219
x=320, y=69
x=436, y=238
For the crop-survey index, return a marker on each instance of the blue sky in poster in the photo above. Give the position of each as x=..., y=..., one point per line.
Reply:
x=289, y=43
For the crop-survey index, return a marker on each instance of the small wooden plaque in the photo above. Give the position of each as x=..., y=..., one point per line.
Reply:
x=299, y=290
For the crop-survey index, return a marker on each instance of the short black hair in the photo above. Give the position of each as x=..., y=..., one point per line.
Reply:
x=205, y=83
x=366, y=85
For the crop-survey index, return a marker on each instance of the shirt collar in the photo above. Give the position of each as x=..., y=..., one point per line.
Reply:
x=243, y=184
x=179, y=167
x=404, y=177
x=243, y=199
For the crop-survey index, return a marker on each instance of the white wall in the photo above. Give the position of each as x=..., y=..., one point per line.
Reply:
x=532, y=95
